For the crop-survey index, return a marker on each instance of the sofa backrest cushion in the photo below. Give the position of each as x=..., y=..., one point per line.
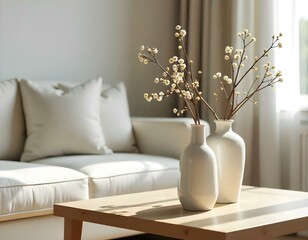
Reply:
x=12, y=133
x=115, y=117
x=60, y=123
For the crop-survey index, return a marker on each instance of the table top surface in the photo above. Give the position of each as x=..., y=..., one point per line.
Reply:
x=261, y=213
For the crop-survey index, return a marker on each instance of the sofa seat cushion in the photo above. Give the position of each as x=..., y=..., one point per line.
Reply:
x=121, y=173
x=27, y=187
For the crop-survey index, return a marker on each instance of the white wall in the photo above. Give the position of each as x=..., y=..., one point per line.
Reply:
x=77, y=40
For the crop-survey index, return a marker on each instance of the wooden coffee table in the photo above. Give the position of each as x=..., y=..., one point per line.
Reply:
x=261, y=213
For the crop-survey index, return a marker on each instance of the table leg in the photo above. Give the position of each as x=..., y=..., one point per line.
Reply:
x=72, y=229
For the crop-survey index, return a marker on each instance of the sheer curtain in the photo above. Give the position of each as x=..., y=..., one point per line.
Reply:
x=290, y=102
x=212, y=25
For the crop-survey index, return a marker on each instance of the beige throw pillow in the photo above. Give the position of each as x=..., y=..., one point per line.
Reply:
x=13, y=131
x=60, y=123
x=115, y=117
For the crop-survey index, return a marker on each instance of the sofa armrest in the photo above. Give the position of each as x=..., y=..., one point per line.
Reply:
x=163, y=136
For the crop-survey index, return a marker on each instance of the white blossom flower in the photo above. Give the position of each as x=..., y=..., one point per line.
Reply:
x=228, y=49
x=183, y=32
x=183, y=66
x=180, y=80
x=195, y=84
x=237, y=56
x=266, y=66
x=149, y=98
x=181, y=74
x=187, y=94
x=181, y=61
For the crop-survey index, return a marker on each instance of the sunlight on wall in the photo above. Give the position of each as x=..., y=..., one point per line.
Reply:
x=64, y=40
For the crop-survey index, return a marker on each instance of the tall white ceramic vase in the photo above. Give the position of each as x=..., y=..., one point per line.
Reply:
x=229, y=149
x=198, y=185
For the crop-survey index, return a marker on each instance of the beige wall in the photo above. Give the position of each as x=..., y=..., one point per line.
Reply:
x=77, y=40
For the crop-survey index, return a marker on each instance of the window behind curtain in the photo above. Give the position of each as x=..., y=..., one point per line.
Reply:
x=292, y=59
x=303, y=54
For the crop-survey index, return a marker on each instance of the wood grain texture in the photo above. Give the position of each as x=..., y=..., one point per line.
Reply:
x=261, y=213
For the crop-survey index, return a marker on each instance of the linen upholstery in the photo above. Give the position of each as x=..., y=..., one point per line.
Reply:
x=164, y=136
x=60, y=123
x=26, y=187
x=118, y=173
x=115, y=117
x=13, y=131
x=121, y=173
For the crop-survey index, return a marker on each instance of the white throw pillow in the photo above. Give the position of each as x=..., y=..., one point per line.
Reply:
x=115, y=117
x=60, y=123
x=13, y=131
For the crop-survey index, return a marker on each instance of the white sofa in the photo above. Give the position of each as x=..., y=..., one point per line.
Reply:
x=43, y=161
